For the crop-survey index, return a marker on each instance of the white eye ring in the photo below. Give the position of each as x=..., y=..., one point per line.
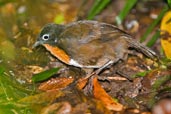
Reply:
x=45, y=37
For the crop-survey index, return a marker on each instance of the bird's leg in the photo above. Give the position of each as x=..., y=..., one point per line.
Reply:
x=100, y=69
x=110, y=62
x=88, y=70
x=107, y=64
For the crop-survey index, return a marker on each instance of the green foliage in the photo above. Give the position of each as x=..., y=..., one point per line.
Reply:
x=152, y=41
x=166, y=63
x=3, y=2
x=161, y=81
x=124, y=12
x=10, y=92
x=169, y=3
x=7, y=50
x=98, y=6
x=1, y=70
x=44, y=75
x=17, y=98
x=142, y=74
x=153, y=24
x=59, y=18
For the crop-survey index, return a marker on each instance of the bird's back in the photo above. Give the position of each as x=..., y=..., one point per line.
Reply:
x=94, y=43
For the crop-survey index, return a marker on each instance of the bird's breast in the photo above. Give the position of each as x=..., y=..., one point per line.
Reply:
x=58, y=53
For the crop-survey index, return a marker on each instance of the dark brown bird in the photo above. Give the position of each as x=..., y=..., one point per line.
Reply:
x=89, y=44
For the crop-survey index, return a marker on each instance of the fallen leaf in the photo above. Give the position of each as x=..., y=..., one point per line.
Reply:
x=166, y=34
x=108, y=101
x=82, y=83
x=57, y=108
x=45, y=97
x=55, y=83
x=44, y=75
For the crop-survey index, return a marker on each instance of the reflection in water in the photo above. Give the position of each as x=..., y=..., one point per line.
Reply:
x=20, y=22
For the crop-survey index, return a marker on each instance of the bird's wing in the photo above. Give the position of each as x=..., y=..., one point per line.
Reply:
x=83, y=32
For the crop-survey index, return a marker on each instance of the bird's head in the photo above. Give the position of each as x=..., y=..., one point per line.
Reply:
x=49, y=34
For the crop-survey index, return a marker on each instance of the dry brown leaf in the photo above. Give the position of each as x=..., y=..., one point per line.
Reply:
x=108, y=101
x=55, y=83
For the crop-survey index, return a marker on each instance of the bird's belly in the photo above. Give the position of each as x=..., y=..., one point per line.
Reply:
x=99, y=53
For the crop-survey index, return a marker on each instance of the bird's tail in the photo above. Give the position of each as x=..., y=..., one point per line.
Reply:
x=142, y=48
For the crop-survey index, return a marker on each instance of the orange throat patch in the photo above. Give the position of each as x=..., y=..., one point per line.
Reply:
x=58, y=53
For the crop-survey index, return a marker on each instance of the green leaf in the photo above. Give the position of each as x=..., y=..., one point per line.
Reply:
x=161, y=81
x=142, y=74
x=128, y=6
x=1, y=70
x=153, y=24
x=153, y=39
x=44, y=75
x=169, y=3
x=97, y=7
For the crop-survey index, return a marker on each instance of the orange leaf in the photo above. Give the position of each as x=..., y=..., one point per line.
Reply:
x=55, y=83
x=166, y=34
x=100, y=94
x=81, y=83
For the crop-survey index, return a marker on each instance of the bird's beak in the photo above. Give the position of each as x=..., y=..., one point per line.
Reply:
x=36, y=44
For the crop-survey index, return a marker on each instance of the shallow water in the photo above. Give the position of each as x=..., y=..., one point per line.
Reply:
x=20, y=23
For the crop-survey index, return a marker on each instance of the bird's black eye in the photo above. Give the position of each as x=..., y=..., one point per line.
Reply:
x=45, y=37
